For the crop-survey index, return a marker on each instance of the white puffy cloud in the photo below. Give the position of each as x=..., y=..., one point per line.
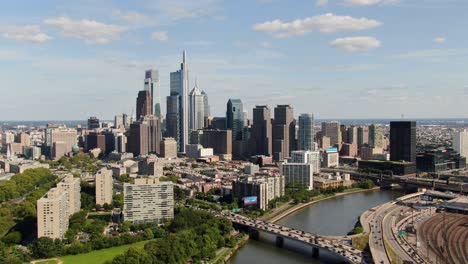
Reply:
x=323, y=23
x=93, y=32
x=159, y=36
x=134, y=17
x=321, y=2
x=28, y=33
x=353, y=44
x=439, y=40
x=370, y=2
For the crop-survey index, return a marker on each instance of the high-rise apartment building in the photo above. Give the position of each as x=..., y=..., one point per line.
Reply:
x=265, y=188
x=301, y=168
x=72, y=187
x=261, y=133
x=460, y=143
x=403, y=141
x=104, y=186
x=52, y=214
x=306, y=132
x=197, y=109
x=179, y=97
x=143, y=104
x=235, y=118
x=376, y=136
x=152, y=85
x=148, y=201
x=96, y=140
x=120, y=143
x=306, y=156
x=332, y=130
x=283, y=132
x=352, y=134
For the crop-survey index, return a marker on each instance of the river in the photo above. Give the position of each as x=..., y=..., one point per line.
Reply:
x=335, y=216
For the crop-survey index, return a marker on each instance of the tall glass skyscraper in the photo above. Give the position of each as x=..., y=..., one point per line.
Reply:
x=197, y=109
x=235, y=118
x=152, y=85
x=306, y=133
x=179, y=89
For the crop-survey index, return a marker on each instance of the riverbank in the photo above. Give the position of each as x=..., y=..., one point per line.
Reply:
x=301, y=206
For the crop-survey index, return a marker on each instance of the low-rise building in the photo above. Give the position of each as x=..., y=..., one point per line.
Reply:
x=264, y=188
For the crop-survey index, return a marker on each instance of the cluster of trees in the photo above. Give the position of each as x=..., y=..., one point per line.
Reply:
x=23, y=183
x=367, y=184
x=81, y=161
x=193, y=236
x=169, y=177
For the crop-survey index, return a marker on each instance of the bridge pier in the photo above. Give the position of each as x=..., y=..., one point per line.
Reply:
x=279, y=241
x=254, y=234
x=315, y=252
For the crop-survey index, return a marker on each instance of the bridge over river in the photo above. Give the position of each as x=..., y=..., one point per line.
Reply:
x=298, y=240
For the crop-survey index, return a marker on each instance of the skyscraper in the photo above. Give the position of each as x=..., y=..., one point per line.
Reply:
x=376, y=136
x=206, y=104
x=145, y=136
x=363, y=136
x=197, y=108
x=104, y=186
x=261, y=135
x=152, y=85
x=306, y=132
x=403, y=141
x=179, y=88
x=460, y=143
x=235, y=118
x=332, y=130
x=143, y=104
x=352, y=135
x=283, y=132
x=93, y=123
x=122, y=120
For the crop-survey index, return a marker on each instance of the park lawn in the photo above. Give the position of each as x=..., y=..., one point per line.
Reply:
x=100, y=256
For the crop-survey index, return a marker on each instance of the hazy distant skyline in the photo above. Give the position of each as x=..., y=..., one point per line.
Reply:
x=337, y=59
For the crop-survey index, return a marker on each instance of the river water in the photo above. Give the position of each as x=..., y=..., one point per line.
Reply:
x=335, y=216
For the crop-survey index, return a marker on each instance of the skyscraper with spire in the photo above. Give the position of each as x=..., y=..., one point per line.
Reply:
x=178, y=106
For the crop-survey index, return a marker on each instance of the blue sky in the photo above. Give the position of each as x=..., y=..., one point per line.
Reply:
x=335, y=58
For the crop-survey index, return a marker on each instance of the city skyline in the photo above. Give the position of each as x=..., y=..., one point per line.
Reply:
x=359, y=55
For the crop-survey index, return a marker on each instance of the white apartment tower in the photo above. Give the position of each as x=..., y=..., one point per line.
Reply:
x=104, y=188
x=72, y=187
x=460, y=143
x=52, y=214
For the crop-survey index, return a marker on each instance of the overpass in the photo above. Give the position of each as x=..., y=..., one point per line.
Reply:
x=406, y=181
x=333, y=251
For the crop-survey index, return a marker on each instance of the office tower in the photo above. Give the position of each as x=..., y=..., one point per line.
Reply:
x=120, y=143
x=352, y=135
x=96, y=140
x=332, y=130
x=143, y=104
x=283, y=132
x=168, y=148
x=197, y=109
x=330, y=158
x=7, y=138
x=148, y=201
x=348, y=149
x=122, y=120
x=219, y=140
x=93, y=123
x=152, y=85
x=306, y=132
x=235, y=118
x=460, y=143
x=344, y=133
x=59, y=141
x=145, y=136
x=403, y=141
x=261, y=135
x=376, y=136
x=52, y=214
x=71, y=186
x=265, y=188
x=179, y=98
x=104, y=186
x=207, y=111
x=363, y=136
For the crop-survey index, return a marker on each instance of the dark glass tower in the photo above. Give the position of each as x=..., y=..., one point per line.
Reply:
x=403, y=141
x=235, y=118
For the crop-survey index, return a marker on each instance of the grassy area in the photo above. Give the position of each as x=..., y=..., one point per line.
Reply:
x=391, y=254
x=361, y=242
x=100, y=256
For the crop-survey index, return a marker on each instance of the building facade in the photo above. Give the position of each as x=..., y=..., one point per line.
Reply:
x=460, y=142
x=306, y=132
x=403, y=141
x=284, y=131
x=235, y=118
x=265, y=188
x=261, y=132
x=104, y=186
